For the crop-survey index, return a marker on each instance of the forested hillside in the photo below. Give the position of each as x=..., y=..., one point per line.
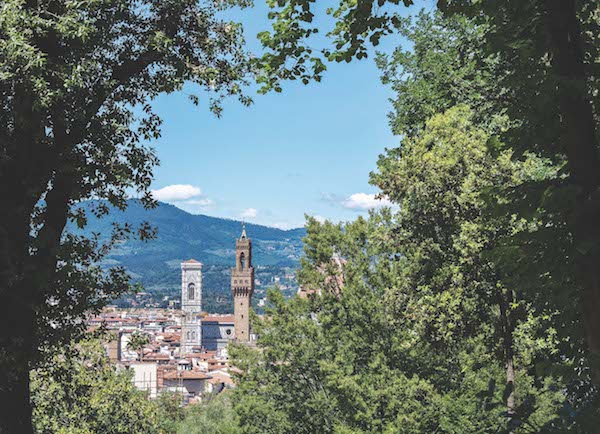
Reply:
x=180, y=236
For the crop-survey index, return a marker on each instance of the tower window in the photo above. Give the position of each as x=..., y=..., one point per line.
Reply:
x=242, y=260
x=191, y=291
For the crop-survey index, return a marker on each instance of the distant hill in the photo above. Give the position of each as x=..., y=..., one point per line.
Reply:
x=182, y=236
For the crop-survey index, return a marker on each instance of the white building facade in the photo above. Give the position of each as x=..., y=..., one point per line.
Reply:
x=145, y=377
x=191, y=305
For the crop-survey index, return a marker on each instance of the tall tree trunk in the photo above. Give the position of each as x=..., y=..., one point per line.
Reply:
x=17, y=321
x=24, y=280
x=16, y=342
x=504, y=302
x=579, y=140
x=21, y=184
x=26, y=272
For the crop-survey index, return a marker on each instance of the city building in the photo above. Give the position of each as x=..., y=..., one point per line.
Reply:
x=191, y=305
x=217, y=331
x=186, y=382
x=242, y=286
x=145, y=377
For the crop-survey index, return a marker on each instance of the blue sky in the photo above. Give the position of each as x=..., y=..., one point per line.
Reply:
x=307, y=150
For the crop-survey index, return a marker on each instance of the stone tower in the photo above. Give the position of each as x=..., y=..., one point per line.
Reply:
x=242, y=286
x=191, y=305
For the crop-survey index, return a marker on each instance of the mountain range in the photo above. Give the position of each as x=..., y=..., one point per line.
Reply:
x=181, y=236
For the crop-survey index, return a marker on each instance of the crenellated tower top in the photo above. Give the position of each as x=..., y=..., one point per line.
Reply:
x=242, y=285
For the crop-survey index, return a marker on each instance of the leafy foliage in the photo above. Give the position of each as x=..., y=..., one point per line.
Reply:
x=76, y=84
x=446, y=66
x=137, y=342
x=170, y=411
x=78, y=391
x=421, y=334
x=88, y=71
x=527, y=68
x=214, y=416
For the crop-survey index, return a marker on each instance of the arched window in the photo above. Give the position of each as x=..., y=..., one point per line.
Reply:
x=191, y=291
x=242, y=260
x=193, y=336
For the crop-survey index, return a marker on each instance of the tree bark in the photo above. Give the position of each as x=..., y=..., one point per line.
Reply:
x=16, y=341
x=17, y=322
x=579, y=139
x=21, y=185
x=26, y=276
x=27, y=264
x=504, y=302
x=21, y=289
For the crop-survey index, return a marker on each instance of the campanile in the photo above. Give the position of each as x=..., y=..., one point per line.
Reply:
x=191, y=306
x=242, y=286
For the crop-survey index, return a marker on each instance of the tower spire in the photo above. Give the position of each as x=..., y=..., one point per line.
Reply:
x=242, y=286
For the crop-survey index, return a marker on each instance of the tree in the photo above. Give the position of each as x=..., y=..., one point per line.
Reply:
x=548, y=51
x=137, y=342
x=78, y=390
x=449, y=54
x=280, y=388
x=170, y=411
x=76, y=81
x=213, y=416
x=446, y=182
x=556, y=43
x=447, y=65
x=426, y=334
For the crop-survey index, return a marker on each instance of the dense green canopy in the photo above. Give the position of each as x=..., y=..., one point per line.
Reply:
x=76, y=82
x=461, y=308
x=426, y=333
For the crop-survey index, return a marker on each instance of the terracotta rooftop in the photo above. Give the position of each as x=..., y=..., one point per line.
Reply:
x=218, y=378
x=208, y=354
x=192, y=261
x=157, y=356
x=186, y=375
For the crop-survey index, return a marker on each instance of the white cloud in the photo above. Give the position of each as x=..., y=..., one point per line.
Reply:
x=176, y=192
x=364, y=201
x=249, y=213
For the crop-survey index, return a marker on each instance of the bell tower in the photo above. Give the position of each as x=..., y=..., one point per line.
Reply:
x=191, y=305
x=242, y=286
